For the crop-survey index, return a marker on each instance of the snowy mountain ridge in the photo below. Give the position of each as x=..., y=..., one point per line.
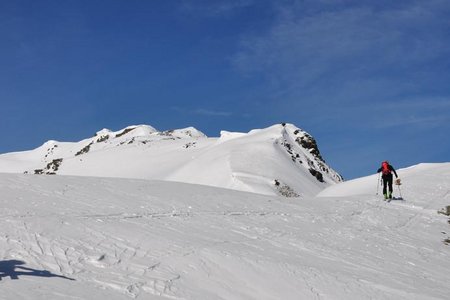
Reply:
x=85, y=237
x=278, y=160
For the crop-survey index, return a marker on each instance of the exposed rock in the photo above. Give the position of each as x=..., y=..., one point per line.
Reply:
x=85, y=149
x=316, y=174
x=309, y=143
x=103, y=138
x=285, y=190
x=125, y=131
x=51, y=167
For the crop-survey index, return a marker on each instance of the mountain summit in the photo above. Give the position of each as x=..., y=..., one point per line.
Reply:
x=278, y=160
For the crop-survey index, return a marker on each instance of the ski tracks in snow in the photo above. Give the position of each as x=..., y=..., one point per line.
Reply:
x=123, y=239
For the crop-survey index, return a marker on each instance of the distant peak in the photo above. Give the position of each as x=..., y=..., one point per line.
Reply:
x=147, y=130
x=138, y=130
x=185, y=132
x=103, y=132
x=50, y=143
x=192, y=132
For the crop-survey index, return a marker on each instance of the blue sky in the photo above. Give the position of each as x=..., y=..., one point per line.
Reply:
x=370, y=80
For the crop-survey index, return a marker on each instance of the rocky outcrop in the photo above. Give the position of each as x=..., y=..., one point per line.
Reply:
x=51, y=167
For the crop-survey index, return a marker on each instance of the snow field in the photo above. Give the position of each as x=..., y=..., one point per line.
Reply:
x=139, y=239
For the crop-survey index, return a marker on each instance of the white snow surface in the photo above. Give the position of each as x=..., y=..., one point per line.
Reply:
x=251, y=162
x=72, y=237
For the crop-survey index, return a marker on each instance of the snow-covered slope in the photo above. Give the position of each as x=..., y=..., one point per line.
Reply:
x=281, y=159
x=66, y=237
x=411, y=182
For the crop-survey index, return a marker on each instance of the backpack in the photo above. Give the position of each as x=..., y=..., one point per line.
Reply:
x=385, y=168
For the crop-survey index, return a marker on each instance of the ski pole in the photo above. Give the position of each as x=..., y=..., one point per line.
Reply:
x=398, y=183
x=378, y=182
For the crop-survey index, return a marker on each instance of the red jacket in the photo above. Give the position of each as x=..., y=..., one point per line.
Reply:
x=391, y=169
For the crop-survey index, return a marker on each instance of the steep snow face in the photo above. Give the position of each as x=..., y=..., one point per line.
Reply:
x=267, y=161
x=68, y=237
x=279, y=160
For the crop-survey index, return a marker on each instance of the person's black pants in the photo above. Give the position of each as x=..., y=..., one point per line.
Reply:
x=387, y=181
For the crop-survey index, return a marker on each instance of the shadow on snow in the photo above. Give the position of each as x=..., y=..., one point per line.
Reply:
x=15, y=268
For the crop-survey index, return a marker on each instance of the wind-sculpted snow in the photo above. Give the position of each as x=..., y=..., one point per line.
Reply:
x=103, y=238
x=253, y=161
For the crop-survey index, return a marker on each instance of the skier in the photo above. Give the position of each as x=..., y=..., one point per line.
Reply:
x=387, y=170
